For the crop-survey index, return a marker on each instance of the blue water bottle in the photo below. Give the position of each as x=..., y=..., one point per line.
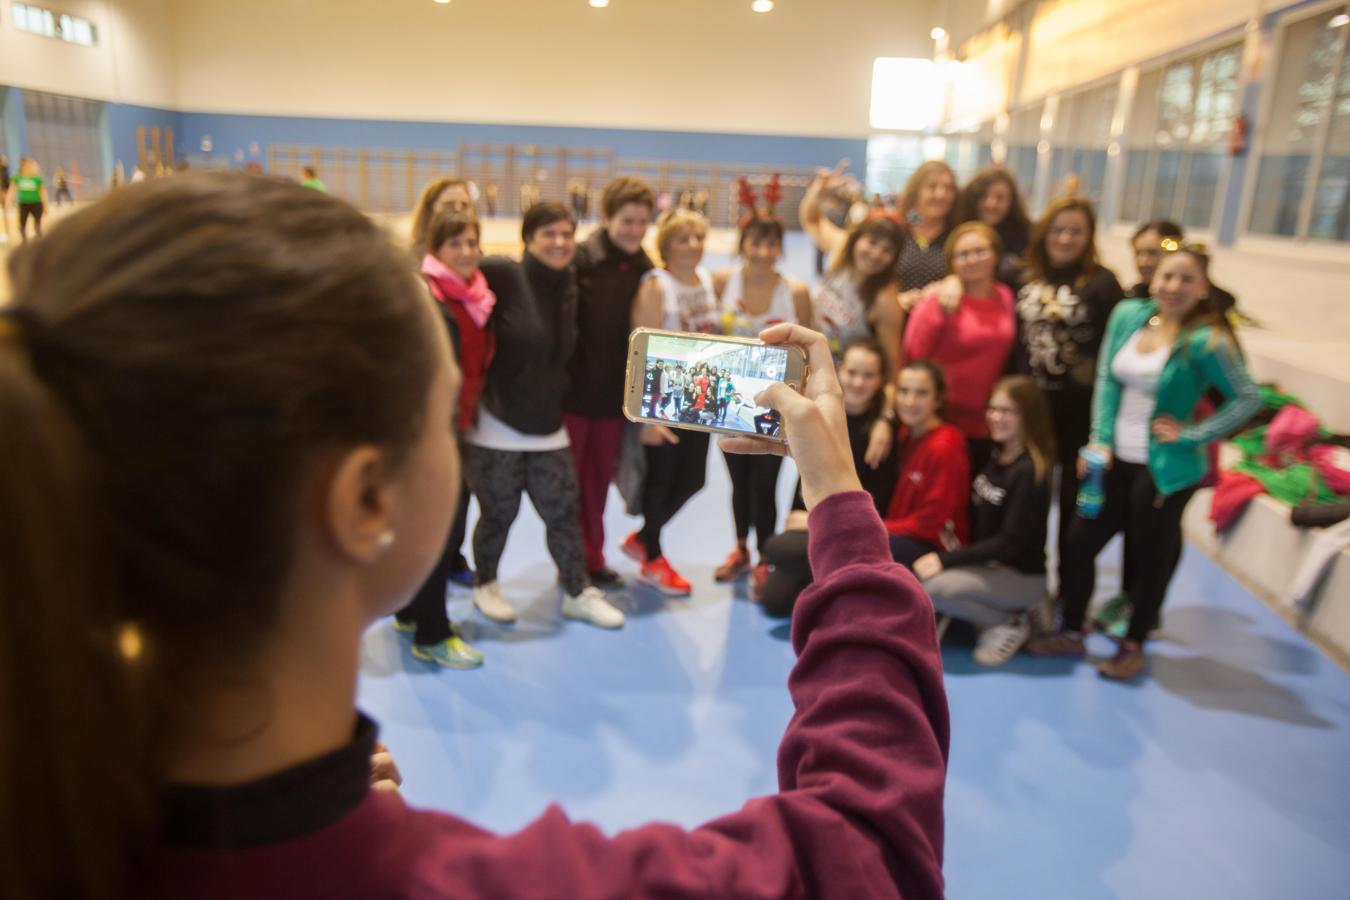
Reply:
x=1092, y=493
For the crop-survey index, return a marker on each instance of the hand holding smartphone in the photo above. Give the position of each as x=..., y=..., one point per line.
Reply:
x=707, y=382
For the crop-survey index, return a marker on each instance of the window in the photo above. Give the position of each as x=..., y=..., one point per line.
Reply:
x=970, y=151
x=907, y=94
x=1178, y=138
x=1024, y=134
x=1080, y=137
x=72, y=29
x=1303, y=180
x=891, y=159
x=66, y=133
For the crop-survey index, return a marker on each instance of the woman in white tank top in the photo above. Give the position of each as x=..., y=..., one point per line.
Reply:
x=679, y=297
x=754, y=295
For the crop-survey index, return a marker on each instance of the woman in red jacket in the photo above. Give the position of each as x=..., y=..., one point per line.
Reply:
x=227, y=438
x=968, y=328
x=929, y=508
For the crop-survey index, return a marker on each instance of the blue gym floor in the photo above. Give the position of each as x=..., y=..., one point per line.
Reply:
x=1224, y=773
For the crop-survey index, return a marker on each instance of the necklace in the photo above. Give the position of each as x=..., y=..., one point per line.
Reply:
x=1154, y=322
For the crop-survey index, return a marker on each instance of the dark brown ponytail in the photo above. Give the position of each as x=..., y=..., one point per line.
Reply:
x=72, y=782
x=191, y=350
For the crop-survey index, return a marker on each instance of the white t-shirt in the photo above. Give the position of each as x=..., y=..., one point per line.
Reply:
x=1138, y=374
x=741, y=321
x=688, y=307
x=491, y=433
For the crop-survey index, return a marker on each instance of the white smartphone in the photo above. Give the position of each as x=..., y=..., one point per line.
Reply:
x=707, y=382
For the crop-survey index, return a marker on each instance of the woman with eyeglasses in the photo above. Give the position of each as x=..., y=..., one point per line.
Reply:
x=996, y=578
x=1062, y=308
x=969, y=334
x=1160, y=357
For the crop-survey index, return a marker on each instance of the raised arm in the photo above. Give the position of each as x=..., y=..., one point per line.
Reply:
x=862, y=765
x=828, y=236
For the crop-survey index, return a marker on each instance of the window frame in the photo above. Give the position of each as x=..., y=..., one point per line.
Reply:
x=1319, y=247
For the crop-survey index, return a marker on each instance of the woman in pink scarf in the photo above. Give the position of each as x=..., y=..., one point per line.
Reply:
x=450, y=268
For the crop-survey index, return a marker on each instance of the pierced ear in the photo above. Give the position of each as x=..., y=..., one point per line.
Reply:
x=359, y=505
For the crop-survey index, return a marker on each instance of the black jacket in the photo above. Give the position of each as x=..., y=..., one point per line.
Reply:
x=535, y=321
x=607, y=283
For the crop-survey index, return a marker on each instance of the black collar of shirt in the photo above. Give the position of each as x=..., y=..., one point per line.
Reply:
x=602, y=249
x=299, y=801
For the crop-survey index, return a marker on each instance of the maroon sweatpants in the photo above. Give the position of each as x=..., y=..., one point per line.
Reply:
x=595, y=446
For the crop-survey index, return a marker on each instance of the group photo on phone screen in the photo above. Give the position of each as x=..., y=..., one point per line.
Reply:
x=711, y=383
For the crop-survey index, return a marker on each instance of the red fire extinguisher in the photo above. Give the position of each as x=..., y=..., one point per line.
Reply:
x=1237, y=140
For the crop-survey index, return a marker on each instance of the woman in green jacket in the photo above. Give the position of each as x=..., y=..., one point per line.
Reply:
x=1160, y=355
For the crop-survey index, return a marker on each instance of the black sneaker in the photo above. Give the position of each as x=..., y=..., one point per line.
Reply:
x=606, y=579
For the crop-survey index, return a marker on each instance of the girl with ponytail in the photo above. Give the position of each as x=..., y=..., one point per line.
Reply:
x=226, y=450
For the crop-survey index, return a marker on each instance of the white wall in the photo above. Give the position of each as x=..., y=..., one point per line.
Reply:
x=691, y=65
x=133, y=62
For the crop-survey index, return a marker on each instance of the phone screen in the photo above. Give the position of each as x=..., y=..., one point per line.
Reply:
x=696, y=381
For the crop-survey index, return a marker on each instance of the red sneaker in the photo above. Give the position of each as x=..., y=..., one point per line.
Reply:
x=759, y=578
x=734, y=566
x=660, y=575
x=633, y=549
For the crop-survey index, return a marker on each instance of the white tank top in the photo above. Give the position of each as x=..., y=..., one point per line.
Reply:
x=688, y=307
x=738, y=320
x=840, y=312
x=1138, y=374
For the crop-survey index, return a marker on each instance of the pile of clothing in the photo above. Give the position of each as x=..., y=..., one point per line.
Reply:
x=1298, y=462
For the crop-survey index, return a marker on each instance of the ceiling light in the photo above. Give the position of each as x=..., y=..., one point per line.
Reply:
x=938, y=33
x=762, y=6
x=1338, y=21
x=441, y=2
x=599, y=4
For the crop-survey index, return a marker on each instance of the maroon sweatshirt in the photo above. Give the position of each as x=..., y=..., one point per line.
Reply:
x=861, y=772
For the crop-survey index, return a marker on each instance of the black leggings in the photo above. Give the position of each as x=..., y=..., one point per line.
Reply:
x=675, y=473
x=33, y=210
x=791, y=568
x=1152, y=525
x=426, y=610
x=754, y=495
x=499, y=477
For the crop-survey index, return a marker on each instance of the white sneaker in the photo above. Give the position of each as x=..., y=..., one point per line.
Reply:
x=490, y=602
x=1000, y=643
x=592, y=606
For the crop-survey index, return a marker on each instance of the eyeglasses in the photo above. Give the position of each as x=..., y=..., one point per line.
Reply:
x=977, y=253
x=1001, y=410
x=1066, y=231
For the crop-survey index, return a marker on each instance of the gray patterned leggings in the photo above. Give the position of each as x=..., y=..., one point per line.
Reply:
x=497, y=478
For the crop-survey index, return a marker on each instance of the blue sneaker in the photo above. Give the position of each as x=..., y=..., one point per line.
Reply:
x=403, y=627
x=452, y=653
x=462, y=577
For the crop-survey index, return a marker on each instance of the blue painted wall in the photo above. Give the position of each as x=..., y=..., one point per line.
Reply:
x=230, y=133
x=124, y=118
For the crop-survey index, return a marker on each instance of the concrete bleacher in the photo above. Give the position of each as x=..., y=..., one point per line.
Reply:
x=1263, y=549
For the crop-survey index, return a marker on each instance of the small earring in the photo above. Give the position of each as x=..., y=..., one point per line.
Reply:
x=385, y=540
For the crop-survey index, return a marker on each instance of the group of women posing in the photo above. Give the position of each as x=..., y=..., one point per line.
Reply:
x=1023, y=348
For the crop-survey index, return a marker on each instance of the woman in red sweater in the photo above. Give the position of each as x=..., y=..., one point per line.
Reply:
x=967, y=327
x=213, y=498
x=928, y=510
